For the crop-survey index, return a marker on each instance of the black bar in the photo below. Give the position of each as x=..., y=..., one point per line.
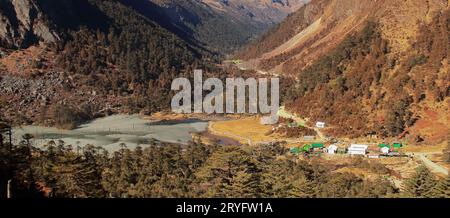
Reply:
x=279, y=207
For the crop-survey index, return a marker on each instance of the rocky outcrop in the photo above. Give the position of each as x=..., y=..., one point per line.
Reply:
x=23, y=23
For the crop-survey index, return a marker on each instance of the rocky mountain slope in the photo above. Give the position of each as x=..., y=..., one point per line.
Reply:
x=367, y=68
x=29, y=22
x=23, y=23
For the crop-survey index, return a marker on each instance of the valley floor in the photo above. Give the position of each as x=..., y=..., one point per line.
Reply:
x=250, y=131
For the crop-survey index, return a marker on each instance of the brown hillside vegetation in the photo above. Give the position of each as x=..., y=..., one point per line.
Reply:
x=363, y=89
x=366, y=67
x=124, y=64
x=293, y=25
x=332, y=22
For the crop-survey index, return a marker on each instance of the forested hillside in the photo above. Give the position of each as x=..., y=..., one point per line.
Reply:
x=81, y=59
x=165, y=170
x=359, y=87
x=355, y=71
x=134, y=55
x=220, y=26
x=110, y=59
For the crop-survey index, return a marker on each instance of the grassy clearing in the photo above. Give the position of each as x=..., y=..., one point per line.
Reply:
x=243, y=130
x=425, y=148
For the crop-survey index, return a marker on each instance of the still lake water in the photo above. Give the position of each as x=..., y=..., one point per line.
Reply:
x=110, y=132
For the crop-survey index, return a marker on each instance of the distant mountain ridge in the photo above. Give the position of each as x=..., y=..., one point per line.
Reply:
x=223, y=26
x=220, y=26
x=323, y=24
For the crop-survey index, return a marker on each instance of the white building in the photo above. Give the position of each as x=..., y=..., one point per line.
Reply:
x=385, y=150
x=356, y=149
x=308, y=138
x=332, y=149
x=320, y=125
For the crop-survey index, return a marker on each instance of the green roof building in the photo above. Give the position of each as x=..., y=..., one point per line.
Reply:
x=384, y=145
x=306, y=148
x=397, y=145
x=318, y=145
x=295, y=150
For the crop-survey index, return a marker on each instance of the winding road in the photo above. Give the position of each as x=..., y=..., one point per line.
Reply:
x=286, y=114
x=434, y=167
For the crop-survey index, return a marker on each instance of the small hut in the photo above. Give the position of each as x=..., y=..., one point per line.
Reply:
x=295, y=150
x=382, y=145
x=320, y=125
x=309, y=137
x=306, y=148
x=397, y=145
x=385, y=150
x=332, y=149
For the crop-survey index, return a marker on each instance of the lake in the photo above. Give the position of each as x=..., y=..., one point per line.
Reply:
x=110, y=132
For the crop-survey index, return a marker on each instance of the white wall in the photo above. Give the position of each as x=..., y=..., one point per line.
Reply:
x=356, y=152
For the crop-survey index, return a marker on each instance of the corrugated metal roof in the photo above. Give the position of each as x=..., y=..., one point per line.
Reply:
x=317, y=145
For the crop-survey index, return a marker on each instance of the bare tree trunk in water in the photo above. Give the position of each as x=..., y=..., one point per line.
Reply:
x=8, y=189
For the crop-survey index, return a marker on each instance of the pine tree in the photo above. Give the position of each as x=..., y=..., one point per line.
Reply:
x=243, y=185
x=442, y=189
x=301, y=188
x=111, y=176
x=447, y=152
x=421, y=183
x=89, y=174
x=220, y=169
x=340, y=185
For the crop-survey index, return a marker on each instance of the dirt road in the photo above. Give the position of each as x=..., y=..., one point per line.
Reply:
x=282, y=112
x=434, y=167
